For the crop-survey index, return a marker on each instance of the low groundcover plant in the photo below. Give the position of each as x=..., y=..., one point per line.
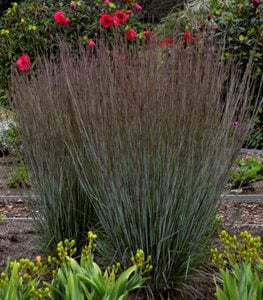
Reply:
x=240, y=264
x=246, y=171
x=150, y=141
x=25, y=279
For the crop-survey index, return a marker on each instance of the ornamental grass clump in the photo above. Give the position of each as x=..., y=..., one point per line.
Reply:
x=60, y=206
x=149, y=136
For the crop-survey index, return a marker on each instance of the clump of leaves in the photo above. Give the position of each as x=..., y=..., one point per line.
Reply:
x=236, y=249
x=218, y=224
x=18, y=177
x=85, y=280
x=246, y=172
x=238, y=22
x=3, y=98
x=240, y=264
x=241, y=282
x=25, y=279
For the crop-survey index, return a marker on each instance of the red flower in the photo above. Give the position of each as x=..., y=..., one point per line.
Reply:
x=255, y=3
x=167, y=42
x=137, y=7
x=131, y=35
x=188, y=38
x=24, y=63
x=107, y=2
x=59, y=18
x=121, y=15
x=116, y=22
x=129, y=12
x=209, y=17
x=106, y=20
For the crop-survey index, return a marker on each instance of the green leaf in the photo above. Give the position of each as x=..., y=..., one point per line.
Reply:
x=231, y=286
x=220, y=294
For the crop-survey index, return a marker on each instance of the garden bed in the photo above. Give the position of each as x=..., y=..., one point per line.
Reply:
x=18, y=235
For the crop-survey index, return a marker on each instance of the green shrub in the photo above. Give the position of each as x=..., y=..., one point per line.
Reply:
x=255, y=135
x=241, y=282
x=246, y=172
x=154, y=10
x=143, y=137
x=30, y=28
x=86, y=280
x=237, y=22
x=3, y=98
x=18, y=176
x=26, y=279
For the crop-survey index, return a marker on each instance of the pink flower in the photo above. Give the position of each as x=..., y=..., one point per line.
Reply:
x=59, y=18
x=91, y=44
x=255, y=3
x=188, y=38
x=131, y=35
x=67, y=21
x=129, y=12
x=24, y=63
x=106, y=20
x=116, y=22
x=121, y=15
x=137, y=7
x=107, y=2
x=166, y=42
x=235, y=124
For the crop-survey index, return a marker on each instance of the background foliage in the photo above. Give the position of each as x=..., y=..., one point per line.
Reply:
x=235, y=23
x=29, y=27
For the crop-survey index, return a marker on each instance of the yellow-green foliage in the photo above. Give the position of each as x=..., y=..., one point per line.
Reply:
x=242, y=248
x=25, y=279
x=20, y=280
